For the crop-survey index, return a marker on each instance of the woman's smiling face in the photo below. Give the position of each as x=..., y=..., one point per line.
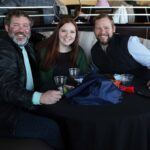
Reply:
x=67, y=34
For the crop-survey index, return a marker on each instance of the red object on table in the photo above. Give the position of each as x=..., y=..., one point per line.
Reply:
x=129, y=89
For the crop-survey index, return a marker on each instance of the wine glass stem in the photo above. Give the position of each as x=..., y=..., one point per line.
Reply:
x=62, y=89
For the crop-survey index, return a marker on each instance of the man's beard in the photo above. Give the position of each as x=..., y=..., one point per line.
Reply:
x=107, y=42
x=22, y=42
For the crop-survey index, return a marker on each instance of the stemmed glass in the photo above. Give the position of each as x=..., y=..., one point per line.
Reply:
x=74, y=73
x=60, y=81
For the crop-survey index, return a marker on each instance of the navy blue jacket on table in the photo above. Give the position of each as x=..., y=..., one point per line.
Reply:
x=95, y=90
x=117, y=58
x=13, y=78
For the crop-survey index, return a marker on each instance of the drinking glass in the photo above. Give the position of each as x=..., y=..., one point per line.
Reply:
x=74, y=73
x=60, y=81
x=126, y=79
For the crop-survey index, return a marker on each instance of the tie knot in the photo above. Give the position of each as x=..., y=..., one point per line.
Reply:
x=22, y=48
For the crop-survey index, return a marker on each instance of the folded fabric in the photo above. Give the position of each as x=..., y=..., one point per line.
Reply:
x=95, y=90
x=121, y=15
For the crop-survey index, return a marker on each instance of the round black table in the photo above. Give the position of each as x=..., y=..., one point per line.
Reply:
x=123, y=126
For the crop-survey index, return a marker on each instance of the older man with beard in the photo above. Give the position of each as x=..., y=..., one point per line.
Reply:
x=19, y=97
x=114, y=53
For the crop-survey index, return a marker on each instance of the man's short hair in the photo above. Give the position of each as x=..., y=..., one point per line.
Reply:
x=100, y=16
x=16, y=13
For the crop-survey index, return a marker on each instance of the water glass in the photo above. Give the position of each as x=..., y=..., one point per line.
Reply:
x=74, y=72
x=126, y=79
x=60, y=81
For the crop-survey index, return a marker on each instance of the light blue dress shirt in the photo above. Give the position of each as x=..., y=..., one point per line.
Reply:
x=29, y=84
x=138, y=51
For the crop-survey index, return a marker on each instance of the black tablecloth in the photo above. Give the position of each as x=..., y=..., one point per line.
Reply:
x=124, y=126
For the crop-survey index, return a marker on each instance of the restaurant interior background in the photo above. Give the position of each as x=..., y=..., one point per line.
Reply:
x=131, y=17
x=137, y=11
x=83, y=11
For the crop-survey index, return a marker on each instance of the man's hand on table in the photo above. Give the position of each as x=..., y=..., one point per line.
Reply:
x=50, y=97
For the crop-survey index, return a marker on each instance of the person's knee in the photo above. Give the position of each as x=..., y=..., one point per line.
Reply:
x=53, y=135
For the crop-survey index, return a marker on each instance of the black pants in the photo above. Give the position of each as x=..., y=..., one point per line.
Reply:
x=34, y=126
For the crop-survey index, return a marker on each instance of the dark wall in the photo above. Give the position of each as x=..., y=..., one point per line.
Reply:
x=141, y=30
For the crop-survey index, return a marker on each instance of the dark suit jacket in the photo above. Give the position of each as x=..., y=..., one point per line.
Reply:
x=14, y=98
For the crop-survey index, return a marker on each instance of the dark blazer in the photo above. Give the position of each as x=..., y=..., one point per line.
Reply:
x=14, y=98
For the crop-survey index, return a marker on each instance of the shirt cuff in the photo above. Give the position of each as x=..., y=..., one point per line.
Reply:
x=36, y=98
